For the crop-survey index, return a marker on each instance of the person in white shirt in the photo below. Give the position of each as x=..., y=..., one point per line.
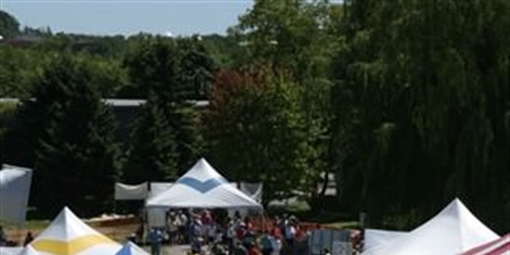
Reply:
x=276, y=243
x=231, y=234
x=172, y=226
x=290, y=231
x=182, y=228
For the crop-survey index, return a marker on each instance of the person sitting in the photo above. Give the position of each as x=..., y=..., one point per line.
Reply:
x=28, y=238
x=3, y=237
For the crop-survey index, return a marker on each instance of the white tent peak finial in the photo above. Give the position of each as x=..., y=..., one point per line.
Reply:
x=203, y=169
x=456, y=207
x=204, y=162
x=67, y=213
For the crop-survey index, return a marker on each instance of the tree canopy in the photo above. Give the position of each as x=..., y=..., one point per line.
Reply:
x=406, y=102
x=9, y=25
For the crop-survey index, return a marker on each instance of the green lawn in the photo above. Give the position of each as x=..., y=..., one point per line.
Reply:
x=31, y=224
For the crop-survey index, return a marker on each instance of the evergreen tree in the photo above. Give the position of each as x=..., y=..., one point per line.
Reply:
x=167, y=73
x=76, y=155
x=152, y=155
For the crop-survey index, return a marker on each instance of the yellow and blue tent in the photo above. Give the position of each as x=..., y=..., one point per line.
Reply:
x=68, y=235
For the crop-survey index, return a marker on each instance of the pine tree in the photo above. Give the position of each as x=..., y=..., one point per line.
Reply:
x=76, y=158
x=152, y=155
x=166, y=74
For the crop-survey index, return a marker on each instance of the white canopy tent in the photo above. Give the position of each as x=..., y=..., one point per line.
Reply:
x=375, y=238
x=131, y=249
x=146, y=190
x=253, y=190
x=202, y=187
x=14, y=193
x=10, y=250
x=68, y=235
x=452, y=231
x=500, y=246
x=29, y=250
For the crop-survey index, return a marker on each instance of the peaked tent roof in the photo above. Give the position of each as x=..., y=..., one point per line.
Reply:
x=452, y=231
x=29, y=250
x=375, y=238
x=202, y=187
x=68, y=235
x=499, y=246
x=131, y=249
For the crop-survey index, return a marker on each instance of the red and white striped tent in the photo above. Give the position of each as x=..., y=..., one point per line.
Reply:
x=499, y=246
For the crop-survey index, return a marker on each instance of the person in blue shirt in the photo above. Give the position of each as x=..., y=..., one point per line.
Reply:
x=156, y=236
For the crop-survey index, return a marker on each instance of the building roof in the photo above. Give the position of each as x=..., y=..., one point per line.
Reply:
x=120, y=102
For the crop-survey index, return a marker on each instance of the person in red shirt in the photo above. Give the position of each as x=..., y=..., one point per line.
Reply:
x=249, y=225
x=252, y=250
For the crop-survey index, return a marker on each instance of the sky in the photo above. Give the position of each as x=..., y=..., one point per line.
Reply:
x=128, y=17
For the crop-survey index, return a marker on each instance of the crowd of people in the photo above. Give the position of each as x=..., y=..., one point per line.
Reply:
x=4, y=240
x=218, y=234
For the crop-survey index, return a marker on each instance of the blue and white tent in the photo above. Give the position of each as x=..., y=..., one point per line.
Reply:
x=203, y=187
x=131, y=249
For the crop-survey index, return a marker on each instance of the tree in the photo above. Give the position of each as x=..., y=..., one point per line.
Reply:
x=298, y=36
x=291, y=34
x=9, y=25
x=418, y=104
x=17, y=69
x=196, y=67
x=154, y=65
x=76, y=147
x=271, y=144
x=152, y=155
x=226, y=51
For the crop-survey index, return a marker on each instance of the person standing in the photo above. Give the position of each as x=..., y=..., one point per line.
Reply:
x=266, y=243
x=290, y=231
x=183, y=223
x=156, y=236
x=276, y=241
x=173, y=228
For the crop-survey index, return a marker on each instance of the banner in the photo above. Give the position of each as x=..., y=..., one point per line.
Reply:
x=158, y=188
x=131, y=192
x=14, y=193
x=253, y=190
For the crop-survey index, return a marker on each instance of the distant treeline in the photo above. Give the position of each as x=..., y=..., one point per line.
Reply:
x=407, y=102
